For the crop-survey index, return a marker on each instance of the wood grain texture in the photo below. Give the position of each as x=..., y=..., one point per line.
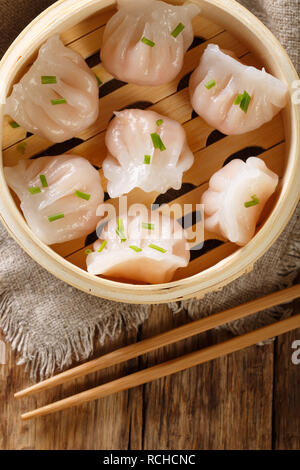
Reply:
x=172, y=336
x=286, y=408
x=246, y=400
x=236, y=402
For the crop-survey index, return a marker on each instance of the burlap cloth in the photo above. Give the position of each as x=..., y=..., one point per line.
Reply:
x=52, y=324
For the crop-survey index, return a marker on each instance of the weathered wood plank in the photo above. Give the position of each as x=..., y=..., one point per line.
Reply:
x=97, y=425
x=225, y=404
x=286, y=415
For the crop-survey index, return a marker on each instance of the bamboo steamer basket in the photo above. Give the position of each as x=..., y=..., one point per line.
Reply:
x=80, y=24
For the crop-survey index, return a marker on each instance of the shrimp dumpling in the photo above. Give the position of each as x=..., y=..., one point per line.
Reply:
x=59, y=196
x=145, y=150
x=133, y=248
x=58, y=97
x=145, y=41
x=232, y=97
x=236, y=197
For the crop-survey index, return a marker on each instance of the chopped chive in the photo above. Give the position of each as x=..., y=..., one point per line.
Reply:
x=103, y=244
x=120, y=225
x=238, y=99
x=147, y=159
x=22, y=148
x=245, y=102
x=34, y=190
x=60, y=101
x=177, y=30
x=254, y=201
x=157, y=142
x=88, y=251
x=120, y=230
x=52, y=218
x=148, y=42
x=135, y=248
x=44, y=181
x=14, y=124
x=157, y=248
x=98, y=80
x=148, y=226
x=82, y=195
x=159, y=122
x=121, y=235
x=210, y=84
x=46, y=79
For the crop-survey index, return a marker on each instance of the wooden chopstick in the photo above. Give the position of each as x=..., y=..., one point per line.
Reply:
x=169, y=367
x=137, y=349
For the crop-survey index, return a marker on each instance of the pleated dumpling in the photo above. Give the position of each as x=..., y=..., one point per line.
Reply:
x=142, y=247
x=232, y=97
x=145, y=150
x=59, y=196
x=58, y=97
x=236, y=197
x=145, y=41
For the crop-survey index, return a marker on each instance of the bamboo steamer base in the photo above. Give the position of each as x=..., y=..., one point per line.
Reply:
x=219, y=261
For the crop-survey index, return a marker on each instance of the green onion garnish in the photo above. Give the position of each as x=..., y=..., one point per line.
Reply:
x=148, y=226
x=177, y=30
x=135, y=248
x=14, y=124
x=238, y=99
x=120, y=225
x=159, y=122
x=254, y=201
x=157, y=142
x=120, y=230
x=243, y=100
x=158, y=248
x=88, y=251
x=82, y=195
x=60, y=101
x=22, y=148
x=103, y=244
x=147, y=159
x=210, y=84
x=98, y=80
x=148, y=42
x=121, y=235
x=44, y=181
x=46, y=79
x=52, y=218
x=34, y=190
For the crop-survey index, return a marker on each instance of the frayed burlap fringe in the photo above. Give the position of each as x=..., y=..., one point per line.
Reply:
x=52, y=325
x=79, y=346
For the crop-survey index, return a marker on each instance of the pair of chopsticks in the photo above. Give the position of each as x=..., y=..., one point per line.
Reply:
x=172, y=366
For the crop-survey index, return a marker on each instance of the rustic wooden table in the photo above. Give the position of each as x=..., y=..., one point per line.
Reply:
x=248, y=400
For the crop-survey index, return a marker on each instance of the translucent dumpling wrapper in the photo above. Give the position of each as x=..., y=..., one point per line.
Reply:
x=236, y=197
x=136, y=156
x=140, y=248
x=59, y=196
x=138, y=44
x=31, y=102
x=220, y=89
